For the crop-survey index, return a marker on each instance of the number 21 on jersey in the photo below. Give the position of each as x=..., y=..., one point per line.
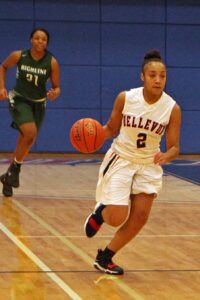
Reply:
x=32, y=77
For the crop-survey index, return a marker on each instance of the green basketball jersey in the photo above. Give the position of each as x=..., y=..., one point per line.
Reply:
x=32, y=76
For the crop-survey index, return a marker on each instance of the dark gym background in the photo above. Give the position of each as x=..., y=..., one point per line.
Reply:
x=100, y=46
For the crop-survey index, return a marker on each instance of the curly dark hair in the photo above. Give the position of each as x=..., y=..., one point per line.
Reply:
x=40, y=29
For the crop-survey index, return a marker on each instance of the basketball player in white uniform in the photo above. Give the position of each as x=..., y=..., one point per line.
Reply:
x=130, y=176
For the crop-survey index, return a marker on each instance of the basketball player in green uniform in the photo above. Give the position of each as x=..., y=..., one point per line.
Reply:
x=28, y=98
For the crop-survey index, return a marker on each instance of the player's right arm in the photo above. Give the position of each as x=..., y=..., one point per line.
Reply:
x=112, y=127
x=9, y=62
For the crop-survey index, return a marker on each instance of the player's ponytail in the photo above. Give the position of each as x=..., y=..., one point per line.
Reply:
x=152, y=55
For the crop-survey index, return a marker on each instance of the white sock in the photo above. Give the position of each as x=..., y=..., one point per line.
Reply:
x=18, y=162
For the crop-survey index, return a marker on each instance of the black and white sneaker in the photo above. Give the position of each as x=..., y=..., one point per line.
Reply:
x=105, y=264
x=12, y=175
x=7, y=190
x=94, y=221
x=10, y=179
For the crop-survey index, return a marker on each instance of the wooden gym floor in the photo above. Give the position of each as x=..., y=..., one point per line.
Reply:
x=46, y=256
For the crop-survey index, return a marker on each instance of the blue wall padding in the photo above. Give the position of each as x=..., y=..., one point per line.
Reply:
x=100, y=46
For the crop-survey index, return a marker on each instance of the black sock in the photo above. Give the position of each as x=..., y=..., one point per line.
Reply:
x=108, y=252
x=16, y=164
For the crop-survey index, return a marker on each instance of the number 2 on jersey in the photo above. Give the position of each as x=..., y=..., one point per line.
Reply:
x=141, y=141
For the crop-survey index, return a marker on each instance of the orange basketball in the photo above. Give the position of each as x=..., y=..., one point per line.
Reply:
x=87, y=135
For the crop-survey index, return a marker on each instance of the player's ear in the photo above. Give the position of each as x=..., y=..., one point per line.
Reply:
x=142, y=76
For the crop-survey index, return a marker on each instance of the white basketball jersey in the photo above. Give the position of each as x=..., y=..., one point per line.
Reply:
x=142, y=126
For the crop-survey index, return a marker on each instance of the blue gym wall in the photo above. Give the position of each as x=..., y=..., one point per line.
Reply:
x=100, y=46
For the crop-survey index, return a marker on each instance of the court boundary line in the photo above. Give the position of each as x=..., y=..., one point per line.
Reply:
x=58, y=198
x=110, y=236
x=95, y=161
x=96, y=272
x=73, y=295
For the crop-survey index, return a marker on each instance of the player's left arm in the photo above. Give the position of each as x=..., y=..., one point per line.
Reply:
x=172, y=138
x=54, y=92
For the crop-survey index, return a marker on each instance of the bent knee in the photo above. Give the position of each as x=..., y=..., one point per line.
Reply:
x=113, y=221
x=29, y=132
x=117, y=216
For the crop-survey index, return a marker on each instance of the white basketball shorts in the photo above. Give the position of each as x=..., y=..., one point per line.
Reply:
x=119, y=178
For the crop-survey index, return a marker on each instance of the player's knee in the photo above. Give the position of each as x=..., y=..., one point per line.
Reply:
x=29, y=135
x=116, y=220
x=115, y=215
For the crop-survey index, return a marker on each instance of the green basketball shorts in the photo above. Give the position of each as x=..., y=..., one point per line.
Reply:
x=26, y=111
